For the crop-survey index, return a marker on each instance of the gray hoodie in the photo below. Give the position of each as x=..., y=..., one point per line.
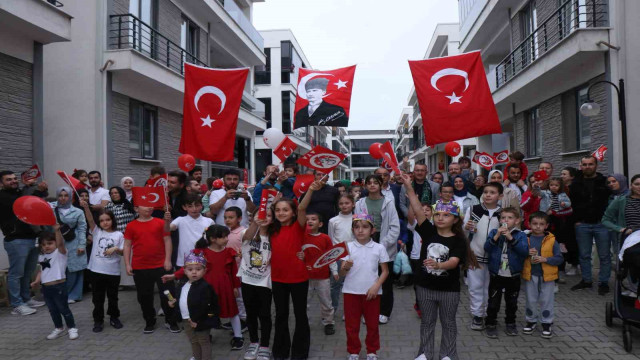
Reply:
x=390, y=228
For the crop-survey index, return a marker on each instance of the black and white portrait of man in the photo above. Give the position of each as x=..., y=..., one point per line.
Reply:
x=319, y=112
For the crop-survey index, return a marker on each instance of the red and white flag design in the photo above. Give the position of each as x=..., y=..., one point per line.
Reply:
x=599, y=152
x=338, y=251
x=265, y=200
x=389, y=156
x=285, y=149
x=31, y=174
x=71, y=181
x=483, y=159
x=160, y=180
x=212, y=100
x=454, y=98
x=501, y=157
x=148, y=196
x=321, y=159
x=302, y=184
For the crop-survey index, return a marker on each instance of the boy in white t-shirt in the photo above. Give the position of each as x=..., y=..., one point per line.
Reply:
x=414, y=257
x=190, y=227
x=362, y=286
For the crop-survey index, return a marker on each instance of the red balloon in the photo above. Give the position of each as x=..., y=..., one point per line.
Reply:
x=452, y=149
x=186, y=162
x=374, y=151
x=34, y=211
x=218, y=184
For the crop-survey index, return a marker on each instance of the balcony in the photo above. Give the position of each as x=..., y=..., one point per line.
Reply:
x=237, y=15
x=34, y=20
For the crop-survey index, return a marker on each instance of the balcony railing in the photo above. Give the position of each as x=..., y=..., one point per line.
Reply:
x=126, y=31
x=238, y=16
x=570, y=16
x=55, y=3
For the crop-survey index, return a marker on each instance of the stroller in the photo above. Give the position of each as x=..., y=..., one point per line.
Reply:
x=624, y=307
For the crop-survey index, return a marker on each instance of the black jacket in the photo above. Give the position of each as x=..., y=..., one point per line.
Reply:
x=12, y=228
x=325, y=115
x=325, y=203
x=589, y=206
x=202, y=302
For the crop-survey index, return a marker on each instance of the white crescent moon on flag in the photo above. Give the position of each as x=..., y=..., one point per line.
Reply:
x=302, y=92
x=157, y=197
x=446, y=72
x=306, y=246
x=210, y=90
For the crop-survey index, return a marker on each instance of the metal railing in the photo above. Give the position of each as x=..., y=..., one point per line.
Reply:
x=55, y=3
x=570, y=16
x=245, y=24
x=126, y=31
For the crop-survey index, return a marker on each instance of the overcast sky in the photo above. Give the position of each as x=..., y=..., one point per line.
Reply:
x=379, y=36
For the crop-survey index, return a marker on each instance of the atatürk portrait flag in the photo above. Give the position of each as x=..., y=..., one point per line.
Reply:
x=454, y=98
x=324, y=97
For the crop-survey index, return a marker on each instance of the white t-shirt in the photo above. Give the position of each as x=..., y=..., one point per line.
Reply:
x=102, y=240
x=417, y=241
x=190, y=231
x=240, y=202
x=95, y=198
x=53, y=266
x=516, y=188
x=340, y=228
x=184, y=308
x=255, y=268
x=364, y=271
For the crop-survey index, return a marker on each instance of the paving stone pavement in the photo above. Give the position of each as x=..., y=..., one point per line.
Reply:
x=579, y=333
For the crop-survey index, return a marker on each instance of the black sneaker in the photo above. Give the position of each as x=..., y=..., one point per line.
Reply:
x=546, y=331
x=581, y=285
x=329, y=329
x=149, y=329
x=237, y=343
x=115, y=322
x=226, y=326
x=243, y=326
x=98, y=326
x=478, y=323
x=491, y=331
x=511, y=330
x=603, y=289
x=174, y=328
x=529, y=328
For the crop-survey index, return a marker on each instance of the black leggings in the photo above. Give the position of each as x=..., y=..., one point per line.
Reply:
x=257, y=302
x=282, y=343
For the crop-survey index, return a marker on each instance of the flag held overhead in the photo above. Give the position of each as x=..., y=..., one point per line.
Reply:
x=321, y=159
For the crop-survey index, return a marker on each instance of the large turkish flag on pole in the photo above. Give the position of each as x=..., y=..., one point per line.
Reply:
x=454, y=98
x=212, y=100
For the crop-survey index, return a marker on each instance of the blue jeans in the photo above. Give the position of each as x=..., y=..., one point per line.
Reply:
x=75, y=280
x=336, y=288
x=23, y=257
x=55, y=296
x=585, y=233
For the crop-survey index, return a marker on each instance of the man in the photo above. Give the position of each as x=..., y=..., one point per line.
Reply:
x=589, y=195
x=230, y=196
x=515, y=182
x=426, y=190
x=20, y=244
x=98, y=196
x=193, y=186
x=176, y=187
x=324, y=201
x=196, y=174
x=454, y=170
x=319, y=112
x=546, y=167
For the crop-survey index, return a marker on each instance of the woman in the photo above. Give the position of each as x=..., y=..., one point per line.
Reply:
x=567, y=175
x=618, y=185
x=462, y=196
x=478, y=183
x=127, y=184
x=121, y=208
x=509, y=196
x=437, y=178
x=76, y=248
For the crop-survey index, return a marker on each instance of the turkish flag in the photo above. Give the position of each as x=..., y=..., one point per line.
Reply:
x=31, y=174
x=212, y=100
x=285, y=149
x=454, y=98
x=336, y=252
x=599, y=153
x=321, y=159
x=501, y=157
x=483, y=159
x=324, y=97
x=71, y=181
x=160, y=180
x=148, y=196
x=389, y=156
x=302, y=184
x=265, y=200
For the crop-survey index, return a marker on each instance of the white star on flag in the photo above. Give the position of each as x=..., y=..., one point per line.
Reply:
x=341, y=84
x=284, y=148
x=207, y=121
x=454, y=99
x=144, y=197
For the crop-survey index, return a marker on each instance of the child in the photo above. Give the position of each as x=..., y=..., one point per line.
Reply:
x=289, y=275
x=414, y=257
x=190, y=227
x=255, y=273
x=506, y=248
x=147, y=256
x=355, y=191
x=444, y=248
x=468, y=174
x=198, y=305
x=539, y=273
x=232, y=219
x=556, y=203
x=104, y=265
x=221, y=274
x=516, y=158
x=363, y=286
x=531, y=199
x=340, y=231
x=446, y=192
x=53, y=262
x=288, y=179
x=479, y=222
x=315, y=244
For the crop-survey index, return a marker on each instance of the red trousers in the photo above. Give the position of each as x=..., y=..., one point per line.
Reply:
x=356, y=306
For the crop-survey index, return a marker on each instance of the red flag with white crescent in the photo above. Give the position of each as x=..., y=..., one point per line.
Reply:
x=285, y=149
x=302, y=184
x=599, y=153
x=338, y=251
x=71, y=181
x=389, y=156
x=321, y=159
x=31, y=174
x=148, y=196
x=160, y=180
x=501, y=157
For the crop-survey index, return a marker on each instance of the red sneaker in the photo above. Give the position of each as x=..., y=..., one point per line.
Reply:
x=637, y=304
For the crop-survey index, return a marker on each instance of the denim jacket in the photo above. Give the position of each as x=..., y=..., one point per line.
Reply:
x=517, y=251
x=545, y=203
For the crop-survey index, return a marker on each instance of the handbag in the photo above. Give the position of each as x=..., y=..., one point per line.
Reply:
x=68, y=232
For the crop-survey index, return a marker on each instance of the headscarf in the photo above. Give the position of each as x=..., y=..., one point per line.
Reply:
x=624, y=185
x=69, y=192
x=456, y=192
x=123, y=198
x=491, y=173
x=129, y=193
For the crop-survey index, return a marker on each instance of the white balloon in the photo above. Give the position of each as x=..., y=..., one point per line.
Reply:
x=273, y=137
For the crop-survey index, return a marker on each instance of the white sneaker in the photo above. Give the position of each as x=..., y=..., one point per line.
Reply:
x=571, y=272
x=383, y=320
x=160, y=312
x=556, y=289
x=33, y=303
x=73, y=333
x=421, y=357
x=56, y=333
x=252, y=351
x=71, y=301
x=372, y=357
x=353, y=357
x=23, y=310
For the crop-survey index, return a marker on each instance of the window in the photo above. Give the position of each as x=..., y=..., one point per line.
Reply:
x=241, y=158
x=534, y=132
x=528, y=24
x=145, y=10
x=362, y=145
x=583, y=123
x=267, y=112
x=288, y=105
x=143, y=129
x=262, y=73
x=363, y=161
x=286, y=60
x=189, y=40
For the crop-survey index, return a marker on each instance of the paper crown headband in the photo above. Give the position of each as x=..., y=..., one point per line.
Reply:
x=447, y=207
x=195, y=258
x=363, y=217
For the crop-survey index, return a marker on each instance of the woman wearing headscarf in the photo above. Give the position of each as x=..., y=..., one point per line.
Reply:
x=76, y=248
x=120, y=207
x=127, y=184
x=461, y=194
x=618, y=185
x=509, y=196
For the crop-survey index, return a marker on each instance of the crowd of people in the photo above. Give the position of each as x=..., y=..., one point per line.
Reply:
x=218, y=264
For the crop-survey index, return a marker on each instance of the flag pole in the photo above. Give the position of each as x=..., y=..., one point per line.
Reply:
x=166, y=194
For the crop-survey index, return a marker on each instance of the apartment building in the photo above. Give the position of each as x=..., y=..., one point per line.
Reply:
x=27, y=27
x=541, y=57
x=361, y=163
x=113, y=99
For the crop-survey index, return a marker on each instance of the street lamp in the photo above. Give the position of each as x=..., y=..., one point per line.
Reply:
x=591, y=108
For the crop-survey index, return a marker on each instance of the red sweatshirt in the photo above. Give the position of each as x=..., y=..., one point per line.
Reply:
x=314, y=246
